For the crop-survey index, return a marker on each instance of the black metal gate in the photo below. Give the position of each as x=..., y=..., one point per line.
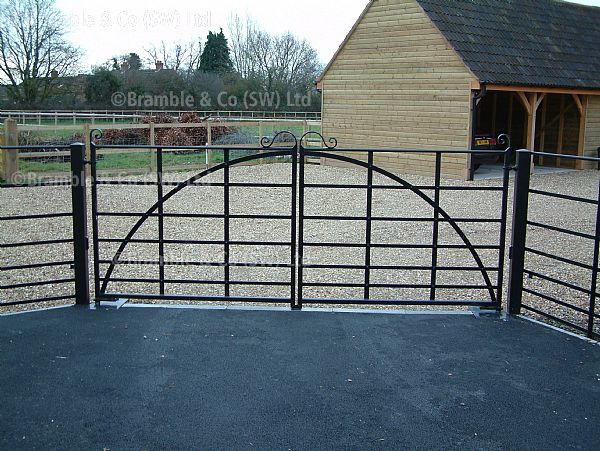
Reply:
x=292, y=273
x=41, y=257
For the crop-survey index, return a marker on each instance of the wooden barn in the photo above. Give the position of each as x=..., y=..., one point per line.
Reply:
x=434, y=74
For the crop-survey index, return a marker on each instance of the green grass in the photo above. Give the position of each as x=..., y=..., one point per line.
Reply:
x=130, y=161
x=29, y=166
x=268, y=129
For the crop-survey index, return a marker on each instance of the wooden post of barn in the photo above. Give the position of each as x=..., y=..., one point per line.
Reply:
x=561, y=130
x=531, y=102
x=543, y=135
x=582, y=104
x=10, y=157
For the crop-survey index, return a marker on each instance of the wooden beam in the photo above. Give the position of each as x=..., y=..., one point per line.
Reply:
x=590, y=92
x=531, y=119
x=539, y=101
x=582, y=122
x=524, y=101
x=578, y=103
x=561, y=129
x=543, y=137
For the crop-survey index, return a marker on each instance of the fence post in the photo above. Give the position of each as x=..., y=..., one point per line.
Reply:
x=305, y=130
x=519, y=232
x=208, y=143
x=80, y=233
x=87, y=139
x=153, y=151
x=10, y=158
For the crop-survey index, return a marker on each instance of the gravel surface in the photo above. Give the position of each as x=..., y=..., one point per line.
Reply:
x=398, y=203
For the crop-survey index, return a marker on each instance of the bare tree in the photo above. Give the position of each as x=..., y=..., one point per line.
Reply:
x=179, y=57
x=33, y=49
x=241, y=40
x=282, y=62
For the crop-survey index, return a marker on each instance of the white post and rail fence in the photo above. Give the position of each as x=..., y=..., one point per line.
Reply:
x=11, y=132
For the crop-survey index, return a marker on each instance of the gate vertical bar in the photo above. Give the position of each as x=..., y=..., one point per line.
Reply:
x=519, y=232
x=369, y=226
x=594, y=287
x=95, y=228
x=503, y=223
x=294, y=231
x=301, y=229
x=80, y=231
x=436, y=225
x=226, y=220
x=161, y=219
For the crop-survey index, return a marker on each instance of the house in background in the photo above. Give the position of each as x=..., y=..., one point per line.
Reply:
x=433, y=74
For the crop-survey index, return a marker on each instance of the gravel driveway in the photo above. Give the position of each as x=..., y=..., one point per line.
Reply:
x=343, y=202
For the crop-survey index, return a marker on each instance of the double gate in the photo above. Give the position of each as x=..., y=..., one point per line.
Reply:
x=360, y=235
x=312, y=250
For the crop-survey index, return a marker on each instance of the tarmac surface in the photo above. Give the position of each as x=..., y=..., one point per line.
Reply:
x=157, y=378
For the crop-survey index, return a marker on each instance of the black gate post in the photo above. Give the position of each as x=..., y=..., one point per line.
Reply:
x=519, y=232
x=80, y=233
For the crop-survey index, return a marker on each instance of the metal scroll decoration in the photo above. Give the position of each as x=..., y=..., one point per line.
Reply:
x=504, y=140
x=329, y=144
x=267, y=142
x=96, y=134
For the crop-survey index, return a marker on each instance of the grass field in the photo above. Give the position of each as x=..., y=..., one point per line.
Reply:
x=54, y=135
x=132, y=161
x=140, y=161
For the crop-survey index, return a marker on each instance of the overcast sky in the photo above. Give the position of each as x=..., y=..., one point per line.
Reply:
x=115, y=27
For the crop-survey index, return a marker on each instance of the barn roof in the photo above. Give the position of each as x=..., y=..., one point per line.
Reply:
x=549, y=43
x=523, y=42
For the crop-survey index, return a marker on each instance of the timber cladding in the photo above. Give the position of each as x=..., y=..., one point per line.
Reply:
x=397, y=83
x=592, y=128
